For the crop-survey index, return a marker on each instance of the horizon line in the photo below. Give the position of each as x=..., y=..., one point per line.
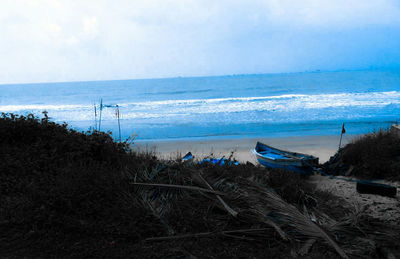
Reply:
x=205, y=76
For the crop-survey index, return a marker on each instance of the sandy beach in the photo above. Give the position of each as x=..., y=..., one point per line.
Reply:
x=324, y=147
x=320, y=146
x=381, y=207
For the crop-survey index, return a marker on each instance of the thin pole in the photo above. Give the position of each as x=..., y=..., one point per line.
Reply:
x=341, y=135
x=95, y=117
x=119, y=125
x=101, y=109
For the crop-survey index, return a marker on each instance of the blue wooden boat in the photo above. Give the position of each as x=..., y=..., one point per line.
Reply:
x=275, y=158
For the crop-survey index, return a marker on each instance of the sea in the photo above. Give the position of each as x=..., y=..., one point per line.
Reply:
x=231, y=106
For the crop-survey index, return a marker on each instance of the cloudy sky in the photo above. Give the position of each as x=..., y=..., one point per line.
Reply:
x=69, y=40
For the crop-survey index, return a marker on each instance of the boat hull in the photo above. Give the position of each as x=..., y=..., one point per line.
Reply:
x=274, y=158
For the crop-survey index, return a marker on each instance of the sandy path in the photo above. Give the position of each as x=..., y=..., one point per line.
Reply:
x=377, y=206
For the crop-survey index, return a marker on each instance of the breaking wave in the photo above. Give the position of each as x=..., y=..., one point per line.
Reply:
x=196, y=108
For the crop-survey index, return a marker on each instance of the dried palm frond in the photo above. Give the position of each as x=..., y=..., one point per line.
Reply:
x=230, y=233
x=306, y=247
x=255, y=208
x=175, y=186
x=173, y=190
x=288, y=214
x=224, y=204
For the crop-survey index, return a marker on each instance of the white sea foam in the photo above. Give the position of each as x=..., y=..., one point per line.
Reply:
x=182, y=108
x=15, y=108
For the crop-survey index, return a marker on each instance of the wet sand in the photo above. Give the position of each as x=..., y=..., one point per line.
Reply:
x=319, y=146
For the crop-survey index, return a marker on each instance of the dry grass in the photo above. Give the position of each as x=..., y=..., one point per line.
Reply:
x=66, y=194
x=372, y=156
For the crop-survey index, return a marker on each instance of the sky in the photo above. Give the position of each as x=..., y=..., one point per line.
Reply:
x=80, y=40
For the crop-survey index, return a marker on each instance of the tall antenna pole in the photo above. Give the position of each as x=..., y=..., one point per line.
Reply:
x=119, y=125
x=101, y=109
x=95, y=117
x=341, y=135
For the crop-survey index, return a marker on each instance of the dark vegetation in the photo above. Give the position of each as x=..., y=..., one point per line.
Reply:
x=65, y=194
x=373, y=156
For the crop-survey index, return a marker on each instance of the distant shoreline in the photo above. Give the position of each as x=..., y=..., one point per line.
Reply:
x=194, y=76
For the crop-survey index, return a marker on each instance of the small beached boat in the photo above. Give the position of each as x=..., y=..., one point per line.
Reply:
x=215, y=161
x=187, y=157
x=275, y=158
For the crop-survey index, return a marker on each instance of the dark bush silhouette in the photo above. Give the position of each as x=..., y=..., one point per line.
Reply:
x=59, y=186
x=372, y=156
x=68, y=194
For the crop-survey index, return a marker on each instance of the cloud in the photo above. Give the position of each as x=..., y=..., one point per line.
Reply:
x=90, y=26
x=61, y=40
x=344, y=13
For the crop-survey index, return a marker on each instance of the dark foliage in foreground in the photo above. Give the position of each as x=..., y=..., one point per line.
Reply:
x=372, y=156
x=58, y=186
x=67, y=194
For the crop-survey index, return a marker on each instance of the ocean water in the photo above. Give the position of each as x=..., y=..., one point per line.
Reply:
x=269, y=105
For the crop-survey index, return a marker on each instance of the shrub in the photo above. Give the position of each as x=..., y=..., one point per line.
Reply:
x=372, y=156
